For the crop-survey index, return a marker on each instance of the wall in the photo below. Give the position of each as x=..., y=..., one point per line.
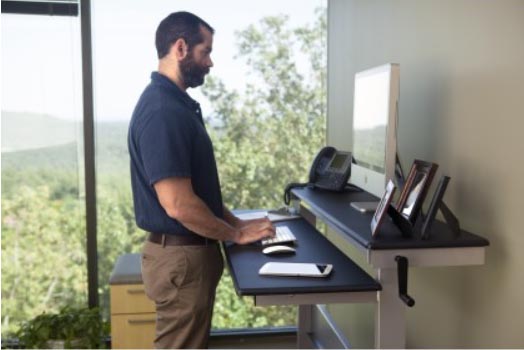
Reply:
x=461, y=106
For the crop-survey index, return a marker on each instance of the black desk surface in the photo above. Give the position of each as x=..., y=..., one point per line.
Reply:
x=244, y=261
x=336, y=208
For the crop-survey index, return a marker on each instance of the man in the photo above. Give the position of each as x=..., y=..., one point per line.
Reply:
x=176, y=190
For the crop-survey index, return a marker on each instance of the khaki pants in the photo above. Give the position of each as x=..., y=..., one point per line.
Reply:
x=182, y=281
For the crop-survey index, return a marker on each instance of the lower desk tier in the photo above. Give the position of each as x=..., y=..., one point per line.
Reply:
x=346, y=283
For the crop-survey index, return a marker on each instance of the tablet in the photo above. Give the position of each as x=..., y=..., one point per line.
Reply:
x=295, y=269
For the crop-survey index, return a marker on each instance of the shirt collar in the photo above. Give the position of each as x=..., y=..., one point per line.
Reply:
x=162, y=80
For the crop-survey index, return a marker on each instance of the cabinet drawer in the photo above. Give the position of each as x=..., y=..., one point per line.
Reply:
x=130, y=299
x=133, y=331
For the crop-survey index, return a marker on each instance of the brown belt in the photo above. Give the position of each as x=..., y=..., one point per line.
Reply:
x=165, y=239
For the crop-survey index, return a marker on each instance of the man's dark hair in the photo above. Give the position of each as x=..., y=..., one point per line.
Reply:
x=178, y=25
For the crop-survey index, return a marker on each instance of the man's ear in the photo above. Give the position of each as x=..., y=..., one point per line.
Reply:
x=179, y=49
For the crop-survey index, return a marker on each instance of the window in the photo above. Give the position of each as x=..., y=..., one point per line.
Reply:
x=265, y=108
x=43, y=210
x=264, y=103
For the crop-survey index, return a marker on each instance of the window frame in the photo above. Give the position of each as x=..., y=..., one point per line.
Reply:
x=52, y=8
x=72, y=8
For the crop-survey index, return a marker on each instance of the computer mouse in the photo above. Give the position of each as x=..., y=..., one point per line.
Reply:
x=278, y=249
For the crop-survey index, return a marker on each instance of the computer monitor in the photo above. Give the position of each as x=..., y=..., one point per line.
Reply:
x=375, y=127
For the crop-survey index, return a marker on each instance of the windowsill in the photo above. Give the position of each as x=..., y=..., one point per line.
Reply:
x=253, y=332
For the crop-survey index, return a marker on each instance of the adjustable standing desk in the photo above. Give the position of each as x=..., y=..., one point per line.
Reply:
x=442, y=248
x=348, y=283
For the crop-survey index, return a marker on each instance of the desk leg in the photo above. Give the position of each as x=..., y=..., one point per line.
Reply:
x=304, y=327
x=390, y=317
x=308, y=215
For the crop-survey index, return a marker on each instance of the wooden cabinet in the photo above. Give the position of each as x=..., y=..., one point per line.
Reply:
x=132, y=313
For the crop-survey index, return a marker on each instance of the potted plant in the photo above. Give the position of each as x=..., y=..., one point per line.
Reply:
x=71, y=328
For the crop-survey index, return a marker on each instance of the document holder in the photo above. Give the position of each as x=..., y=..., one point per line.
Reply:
x=424, y=223
x=403, y=224
x=436, y=204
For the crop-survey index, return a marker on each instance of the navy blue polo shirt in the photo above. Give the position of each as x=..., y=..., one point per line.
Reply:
x=167, y=138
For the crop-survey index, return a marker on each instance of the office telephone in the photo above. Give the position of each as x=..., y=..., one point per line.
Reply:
x=330, y=171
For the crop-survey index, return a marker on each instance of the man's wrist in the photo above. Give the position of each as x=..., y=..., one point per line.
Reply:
x=234, y=221
x=238, y=222
x=237, y=233
x=231, y=218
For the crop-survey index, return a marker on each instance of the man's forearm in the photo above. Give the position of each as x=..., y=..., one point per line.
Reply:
x=230, y=217
x=180, y=203
x=197, y=217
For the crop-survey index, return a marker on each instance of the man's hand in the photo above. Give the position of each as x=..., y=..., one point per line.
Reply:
x=254, y=230
x=245, y=223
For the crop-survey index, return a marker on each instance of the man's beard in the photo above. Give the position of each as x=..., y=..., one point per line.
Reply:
x=192, y=73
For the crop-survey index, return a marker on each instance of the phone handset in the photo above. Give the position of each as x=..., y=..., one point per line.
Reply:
x=320, y=164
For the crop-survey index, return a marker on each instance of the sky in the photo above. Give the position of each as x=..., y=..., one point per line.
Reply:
x=41, y=55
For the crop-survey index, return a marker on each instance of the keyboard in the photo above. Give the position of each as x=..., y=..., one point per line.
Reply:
x=283, y=235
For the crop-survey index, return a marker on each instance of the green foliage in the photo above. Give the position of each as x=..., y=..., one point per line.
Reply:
x=79, y=328
x=232, y=311
x=264, y=137
x=43, y=253
x=269, y=134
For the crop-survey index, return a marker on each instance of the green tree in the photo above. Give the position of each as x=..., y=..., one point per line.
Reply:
x=43, y=254
x=268, y=135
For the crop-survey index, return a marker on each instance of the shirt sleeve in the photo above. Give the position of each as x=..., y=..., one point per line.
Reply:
x=165, y=146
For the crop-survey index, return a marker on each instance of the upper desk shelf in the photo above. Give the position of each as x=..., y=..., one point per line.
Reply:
x=335, y=209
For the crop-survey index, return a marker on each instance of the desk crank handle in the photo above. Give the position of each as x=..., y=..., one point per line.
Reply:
x=402, y=274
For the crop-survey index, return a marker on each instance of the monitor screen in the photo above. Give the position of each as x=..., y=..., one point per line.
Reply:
x=374, y=127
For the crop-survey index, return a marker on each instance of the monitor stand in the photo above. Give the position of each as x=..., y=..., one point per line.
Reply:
x=371, y=207
x=365, y=207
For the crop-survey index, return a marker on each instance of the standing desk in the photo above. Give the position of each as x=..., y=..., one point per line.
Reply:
x=442, y=248
x=348, y=282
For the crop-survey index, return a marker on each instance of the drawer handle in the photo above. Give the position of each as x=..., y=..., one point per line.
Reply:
x=136, y=291
x=142, y=321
